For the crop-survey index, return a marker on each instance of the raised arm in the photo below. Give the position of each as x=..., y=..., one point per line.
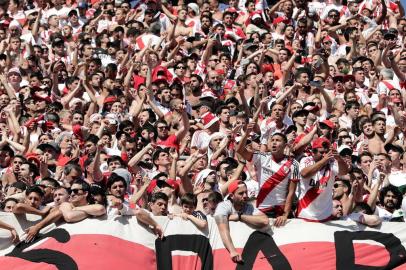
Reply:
x=241, y=147
x=183, y=130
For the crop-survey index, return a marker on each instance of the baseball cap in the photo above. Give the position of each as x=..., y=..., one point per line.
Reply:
x=320, y=143
x=234, y=186
x=394, y=147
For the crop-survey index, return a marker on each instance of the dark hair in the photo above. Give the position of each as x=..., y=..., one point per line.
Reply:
x=189, y=199
x=348, y=32
x=115, y=178
x=347, y=184
x=363, y=207
x=35, y=189
x=395, y=192
x=52, y=181
x=92, y=138
x=300, y=71
x=215, y=197
x=351, y=104
x=285, y=139
x=157, y=152
x=32, y=168
x=3, y=204
x=158, y=196
x=116, y=158
x=364, y=154
x=85, y=188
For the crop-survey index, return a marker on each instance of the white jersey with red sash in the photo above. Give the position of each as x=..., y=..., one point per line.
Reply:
x=315, y=192
x=385, y=86
x=274, y=178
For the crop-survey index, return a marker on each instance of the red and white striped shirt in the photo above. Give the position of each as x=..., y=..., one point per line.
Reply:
x=274, y=178
x=315, y=192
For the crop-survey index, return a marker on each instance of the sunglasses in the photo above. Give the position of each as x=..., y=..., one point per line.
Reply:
x=180, y=68
x=337, y=185
x=75, y=191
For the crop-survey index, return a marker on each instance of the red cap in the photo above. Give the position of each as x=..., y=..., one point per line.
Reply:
x=232, y=9
x=329, y=124
x=327, y=38
x=348, y=77
x=234, y=186
x=279, y=20
x=173, y=184
x=33, y=157
x=152, y=186
x=220, y=71
x=318, y=143
x=110, y=99
x=209, y=119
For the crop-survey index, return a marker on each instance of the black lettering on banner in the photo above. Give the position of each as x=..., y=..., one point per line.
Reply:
x=259, y=241
x=61, y=260
x=195, y=243
x=345, y=257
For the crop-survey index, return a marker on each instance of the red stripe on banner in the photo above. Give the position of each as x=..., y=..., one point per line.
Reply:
x=370, y=255
x=99, y=252
x=186, y=262
x=92, y=251
x=273, y=181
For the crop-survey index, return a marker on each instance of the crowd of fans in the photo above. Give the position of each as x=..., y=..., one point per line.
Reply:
x=243, y=110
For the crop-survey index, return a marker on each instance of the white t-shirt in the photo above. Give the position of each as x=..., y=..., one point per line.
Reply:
x=226, y=208
x=315, y=196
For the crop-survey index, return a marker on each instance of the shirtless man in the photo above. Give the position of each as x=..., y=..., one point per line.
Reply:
x=372, y=140
x=78, y=208
x=180, y=29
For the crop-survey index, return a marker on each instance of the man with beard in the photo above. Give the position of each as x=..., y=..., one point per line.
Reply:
x=11, y=173
x=213, y=86
x=236, y=208
x=181, y=29
x=390, y=200
x=195, y=89
x=278, y=176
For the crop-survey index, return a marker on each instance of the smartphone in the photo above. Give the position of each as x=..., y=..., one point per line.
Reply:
x=316, y=84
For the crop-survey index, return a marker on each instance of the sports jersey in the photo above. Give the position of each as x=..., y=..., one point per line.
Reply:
x=315, y=192
x=274, y=178
x=268, y=128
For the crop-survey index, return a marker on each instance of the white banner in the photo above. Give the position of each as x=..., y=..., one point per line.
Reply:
x=122, y=243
